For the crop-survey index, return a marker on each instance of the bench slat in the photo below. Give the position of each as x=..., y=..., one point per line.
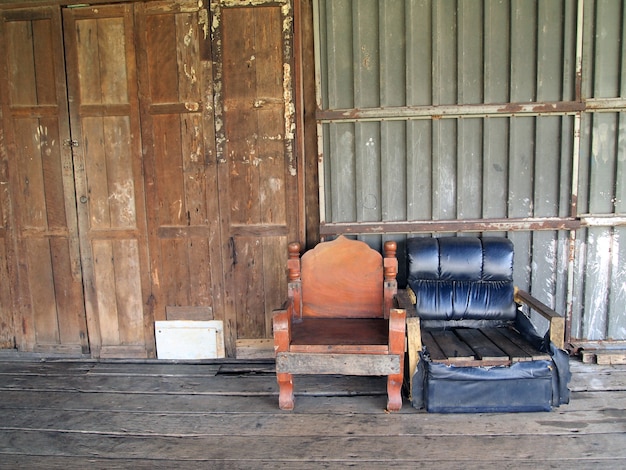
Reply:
x=519, y=341
x=454, y=349
x=516, y=353
x=484, y=348
x=434, y=351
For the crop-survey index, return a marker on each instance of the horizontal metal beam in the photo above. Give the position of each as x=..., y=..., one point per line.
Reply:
x=450, y=111
x=472, y=110
x=605, y=104
x=603, y=220
x=429, y=226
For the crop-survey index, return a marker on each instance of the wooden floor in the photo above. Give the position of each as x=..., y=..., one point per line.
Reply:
x=155, y=415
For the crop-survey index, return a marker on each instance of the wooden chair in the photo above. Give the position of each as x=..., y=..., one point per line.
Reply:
x=341, y=317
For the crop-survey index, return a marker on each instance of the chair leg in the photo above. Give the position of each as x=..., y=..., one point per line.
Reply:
x=394, y=392
x=285, y=391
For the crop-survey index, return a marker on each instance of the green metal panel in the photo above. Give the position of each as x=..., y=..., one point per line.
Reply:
x=393, y=52
x=444, y=175
x=521, y=187
x=470, y=168
x=497, y=42
x=419, y=170
x=495, y=167
x=444, y=62
x=419, y=31
x=470, y=53
x=616, y=328
x=367, y=53
x=338, y=57
x=393, y=169
x=524, y=43
x=368, y=171
x=607, y=48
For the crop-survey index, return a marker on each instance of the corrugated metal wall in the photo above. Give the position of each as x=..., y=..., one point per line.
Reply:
x=449, y=116
x=600, y=288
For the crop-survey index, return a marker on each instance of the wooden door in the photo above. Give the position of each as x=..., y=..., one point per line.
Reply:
x=48, y=281
x=175, y=70
x=104, y=114
x=257, y=171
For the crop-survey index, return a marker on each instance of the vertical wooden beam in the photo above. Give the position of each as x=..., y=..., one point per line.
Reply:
x=414, y=346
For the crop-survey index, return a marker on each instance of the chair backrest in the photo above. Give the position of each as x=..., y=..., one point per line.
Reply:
x=342, y=278
x=462, y=278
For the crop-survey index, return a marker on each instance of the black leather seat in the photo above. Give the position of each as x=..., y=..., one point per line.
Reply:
x=470, y=358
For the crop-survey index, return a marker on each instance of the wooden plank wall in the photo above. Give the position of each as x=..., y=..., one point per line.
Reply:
x=151, y=162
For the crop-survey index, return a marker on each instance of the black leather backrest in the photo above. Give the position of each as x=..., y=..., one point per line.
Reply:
x=457, y=278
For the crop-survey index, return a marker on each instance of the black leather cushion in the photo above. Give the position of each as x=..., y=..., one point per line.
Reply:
x=457, y=278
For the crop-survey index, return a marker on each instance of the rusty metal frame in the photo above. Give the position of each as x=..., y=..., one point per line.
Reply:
x=470, y=225
x=403, y=113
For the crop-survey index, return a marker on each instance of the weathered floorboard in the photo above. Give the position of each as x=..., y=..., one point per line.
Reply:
x=274, y=423
x=56, y=462
x=321, y=448
x=162, y=415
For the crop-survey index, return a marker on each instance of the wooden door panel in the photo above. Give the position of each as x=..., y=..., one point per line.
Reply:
x=181, y=179
x=118, y=304
x=257, y=296
x=258, y=177
x=109, y=173
x=35, y=120
x=8, y=331
x=104, y=114
x=41, y=281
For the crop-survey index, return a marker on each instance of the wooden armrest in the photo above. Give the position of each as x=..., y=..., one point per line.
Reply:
x=397, y=330
x=557, y=321
x=281, y=323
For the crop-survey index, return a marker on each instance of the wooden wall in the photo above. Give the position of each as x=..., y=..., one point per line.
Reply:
x=148, y=164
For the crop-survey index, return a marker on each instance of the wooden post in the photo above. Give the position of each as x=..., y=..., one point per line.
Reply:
x=390, y=268
x=397, y=327
x=282, y=339
x=294, y=286
x=414, y=346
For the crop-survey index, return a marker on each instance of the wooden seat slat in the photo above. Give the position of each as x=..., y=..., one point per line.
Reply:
x=484, y=348
x=516, y=353
x=340, y=331
x=340, y=348
x=528, y=348
x=434, y=351
x=454, y=349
